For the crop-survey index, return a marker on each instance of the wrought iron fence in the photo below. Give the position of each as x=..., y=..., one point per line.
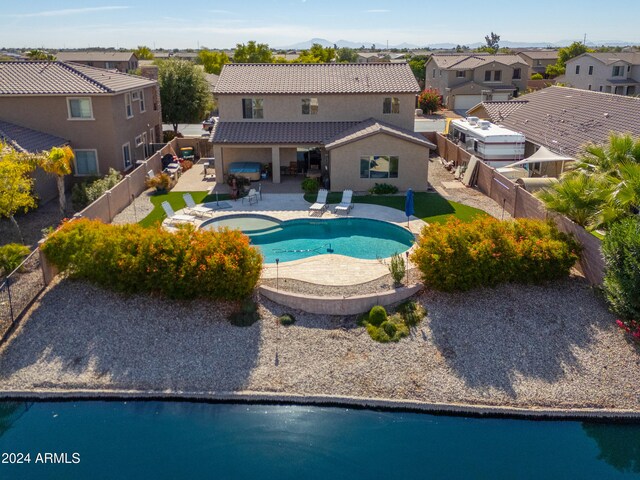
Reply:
x=18, y=291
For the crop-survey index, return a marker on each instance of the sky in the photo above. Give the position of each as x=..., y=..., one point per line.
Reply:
x=216, y=24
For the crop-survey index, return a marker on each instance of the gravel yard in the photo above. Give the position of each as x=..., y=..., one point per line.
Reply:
x=525, y=346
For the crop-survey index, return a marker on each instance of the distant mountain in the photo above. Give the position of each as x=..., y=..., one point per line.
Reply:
x=343, y=44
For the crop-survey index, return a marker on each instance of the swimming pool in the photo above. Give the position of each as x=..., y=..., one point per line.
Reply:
x=302, y=238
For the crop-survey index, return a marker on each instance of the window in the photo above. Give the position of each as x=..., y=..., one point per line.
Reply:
x=628, y=68
x=589, y=87
x=127, y=105
x=497, y=75
x=391, y=105
x=252, y=108
x=487, y=76
x=590, y=70
x=126, y=155
x=577, y=69
x=460, y=74
x=80, y=109
x=617, y=71
x=309, y=106
x=538, y=63
x=379, y=166
x=138, y=140
x=135, y=96
x=517, y=73
x=434, y=73
x=109, y=65
x=86, y=162
x=600, y=87
x=143, y=107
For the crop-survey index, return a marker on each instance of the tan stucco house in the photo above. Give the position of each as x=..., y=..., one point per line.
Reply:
x=120, y=61
x=609, y=72
x=108, y=118
x=349, y=124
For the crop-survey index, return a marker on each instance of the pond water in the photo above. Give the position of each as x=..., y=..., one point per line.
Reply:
x=197, y=440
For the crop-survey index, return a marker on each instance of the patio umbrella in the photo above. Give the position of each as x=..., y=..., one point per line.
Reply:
x=408, y=205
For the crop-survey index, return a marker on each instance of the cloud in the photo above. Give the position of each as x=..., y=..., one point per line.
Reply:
x=68, y=11
x=377, y=11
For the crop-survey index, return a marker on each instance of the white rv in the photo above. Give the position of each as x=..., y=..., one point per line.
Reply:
x=494, y=145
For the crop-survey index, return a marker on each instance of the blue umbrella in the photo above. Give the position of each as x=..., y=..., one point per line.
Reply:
x=408, y=205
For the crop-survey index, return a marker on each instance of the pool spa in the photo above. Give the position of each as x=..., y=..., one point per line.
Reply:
x=303, y=238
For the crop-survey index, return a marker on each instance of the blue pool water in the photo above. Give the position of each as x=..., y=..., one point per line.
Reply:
x=302, y=238
x=165, y=440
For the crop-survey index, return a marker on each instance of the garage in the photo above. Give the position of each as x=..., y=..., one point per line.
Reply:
x=465, y=102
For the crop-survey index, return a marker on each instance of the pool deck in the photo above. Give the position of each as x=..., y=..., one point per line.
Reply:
x=321, y=269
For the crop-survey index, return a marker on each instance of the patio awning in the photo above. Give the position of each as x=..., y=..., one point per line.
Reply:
x=541, y=156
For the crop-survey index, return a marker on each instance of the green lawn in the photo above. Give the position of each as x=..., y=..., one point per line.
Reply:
x=430, y=207
x=176, y=201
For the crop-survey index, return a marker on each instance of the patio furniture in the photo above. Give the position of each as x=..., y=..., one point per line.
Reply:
x=252, y=196
x=194, y=209
x=321, y=202
x=250, y=170
x=173, y=170
x=173, y=217
x=345, y=204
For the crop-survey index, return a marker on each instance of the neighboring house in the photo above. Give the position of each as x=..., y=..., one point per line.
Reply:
x=538, y=60
x=120, y=61
x=28, y=140
x=464, y=80
x=108, y=118
x=605, y=72
x=373, y=57
x=563, y=120
x=351, y=124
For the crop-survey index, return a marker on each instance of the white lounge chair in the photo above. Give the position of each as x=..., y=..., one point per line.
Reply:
x=252, y=196
x=321, y=202
x=194, y=209
x=345, y=205
x=175, y=218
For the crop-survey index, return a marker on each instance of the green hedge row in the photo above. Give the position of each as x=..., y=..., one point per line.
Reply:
x=183, y=265
x=486, y=252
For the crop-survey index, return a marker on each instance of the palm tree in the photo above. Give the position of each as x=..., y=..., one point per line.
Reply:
x=605, y=158
x=58, y=162
x=625, y=187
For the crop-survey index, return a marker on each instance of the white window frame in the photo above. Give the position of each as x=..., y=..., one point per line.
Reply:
x=128, y=105
x=69, y=117
x=138, y=140
x=152, y=135
x=460, y=73
x=124, y=160
x=75, y=165
x=135, y=95
x=143, y=105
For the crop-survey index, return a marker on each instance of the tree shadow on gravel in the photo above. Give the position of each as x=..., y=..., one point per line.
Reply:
x=489, y=337
x=81, y=336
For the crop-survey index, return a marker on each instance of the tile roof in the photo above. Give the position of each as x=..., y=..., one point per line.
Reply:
x=457, y=61
x=540, y=54
x=565, y=119
x=94, y=56
x=316, y=78
x=372, y=127
x=611, y=57
x=27, y=140
x=277, y=132
x=497, y=111
x=57, y=78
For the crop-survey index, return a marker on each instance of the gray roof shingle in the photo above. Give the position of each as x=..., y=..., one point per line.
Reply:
x=449, y=61
x=28, y=140
x=94, y=56
x=565, y=119
x=56, y=78
x=316, y=78
x=611, y=57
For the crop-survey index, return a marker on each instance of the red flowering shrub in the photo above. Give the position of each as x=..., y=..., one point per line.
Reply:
x=631, y=327
x=430, y=101
x=129, y=258
x=486, y=252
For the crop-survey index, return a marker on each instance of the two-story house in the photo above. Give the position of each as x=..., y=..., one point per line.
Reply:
x=464, y=80
x=356, y=121
x=605, y=72
x=538, y=60
x=108, y=118
x=120, y=61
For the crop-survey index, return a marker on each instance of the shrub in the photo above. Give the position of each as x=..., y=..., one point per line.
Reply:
x=383, y=189
x=286, y=319
x=130, y=258
x=411, y=312
x=397, y=268
x=389, y=328
x=85, y=193
x=486, y=252
x=621, y=250
x=377, y=315
x=11, y=256
x=310, y=185
x=187, y=165
x=429, y=101
x=161, y=182
x=247, y=315
x=536, y=76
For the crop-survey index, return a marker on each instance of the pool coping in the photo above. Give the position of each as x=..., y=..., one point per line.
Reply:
x=386, y=404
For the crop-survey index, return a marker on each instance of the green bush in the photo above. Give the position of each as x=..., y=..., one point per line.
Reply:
x=310, y=185
x=536, y=76
x=621, y=250
x=247, y=314
x=411, y=312
x=397, y=268
x=383, y=189
x=377, y=315
x=486, y=252
x=85, y=193
x=130, y=258
x=391, y=330
x=11, y=256
x=286, y=319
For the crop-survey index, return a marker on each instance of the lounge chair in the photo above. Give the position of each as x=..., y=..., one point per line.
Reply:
x=175, y=218
x=252, y=196
x=197, y=210
x=321, y=202
x=345, y=205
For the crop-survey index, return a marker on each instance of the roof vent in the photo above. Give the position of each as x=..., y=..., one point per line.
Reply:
x=484, y=124
x=472, y=120
x=606, y=115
